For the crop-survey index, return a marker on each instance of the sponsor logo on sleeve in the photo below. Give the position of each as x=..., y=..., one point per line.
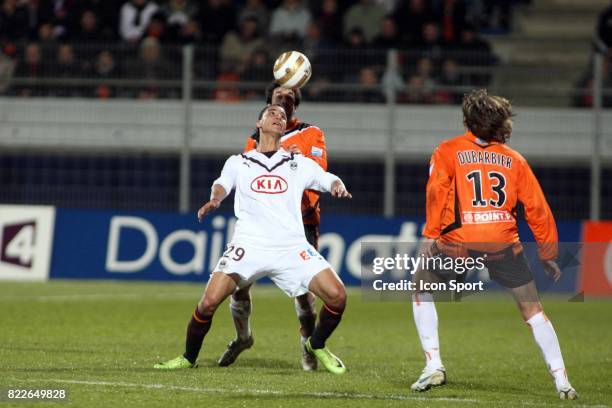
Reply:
x=316, y=151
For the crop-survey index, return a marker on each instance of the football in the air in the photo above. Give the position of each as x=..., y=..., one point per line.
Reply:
x=292, y=69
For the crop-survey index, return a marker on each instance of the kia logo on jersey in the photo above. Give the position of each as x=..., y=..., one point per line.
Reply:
x=269, y=184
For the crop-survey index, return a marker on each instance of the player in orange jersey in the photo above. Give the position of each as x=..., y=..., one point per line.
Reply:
x=474, y=186
x=308, y=140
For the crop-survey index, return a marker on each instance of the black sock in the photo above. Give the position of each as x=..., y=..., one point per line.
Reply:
x=196, y=330
x=307, y=324
x=328, y=321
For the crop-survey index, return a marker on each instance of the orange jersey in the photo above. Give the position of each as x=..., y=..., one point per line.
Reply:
x=311, y=142
x=473, y=191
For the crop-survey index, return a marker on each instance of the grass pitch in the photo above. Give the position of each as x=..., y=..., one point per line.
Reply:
x=99, y=340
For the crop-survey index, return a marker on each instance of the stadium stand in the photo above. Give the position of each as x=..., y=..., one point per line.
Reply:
x=132, y=50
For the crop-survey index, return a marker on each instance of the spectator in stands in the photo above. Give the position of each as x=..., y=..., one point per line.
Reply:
x=88, y=31
x=178, y=12
x=452, y=19
x=419, y=90
x=105, y=68
x=62, y=13
x=134, y=19
x=431, y=46
x=107, y=15
x=329, y=18
x=227, y=91
x=13, y=21
x=498, y=15
x=258, y=70
x=255, y=9
x=237, y=47
x=370, y=91
x=319, y=49
x=46, y=35
x=389, y=36
x=410, y=18
x=352, y=57
x=151, y=65
x=30, y=67
x=389, y=5
x=157, y=28
x=190, y=32
x=603, y=35
x=7, y=68
x=365, y=15
x=319, y=90
x=472, y=51
x=66, y=66
x=217, y=18
x=582, y=95
x=425, y=68
x=451, y=80
x=290, y=21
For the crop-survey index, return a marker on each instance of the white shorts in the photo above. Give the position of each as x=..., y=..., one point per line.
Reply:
x=290, y=269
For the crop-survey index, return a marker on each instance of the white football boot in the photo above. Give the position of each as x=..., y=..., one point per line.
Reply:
x=430, y=377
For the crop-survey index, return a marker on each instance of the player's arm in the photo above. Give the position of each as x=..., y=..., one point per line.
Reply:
x=318, y=179
x=221, y=187
x=318, y=149
x=540, y=219
x=441, y=173
x=315, y=147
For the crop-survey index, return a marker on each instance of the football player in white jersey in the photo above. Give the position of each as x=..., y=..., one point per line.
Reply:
x=269, y=238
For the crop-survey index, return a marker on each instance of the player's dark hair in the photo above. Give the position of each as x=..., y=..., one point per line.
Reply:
x=273, y=85
x=265, y=108
x=488, y=117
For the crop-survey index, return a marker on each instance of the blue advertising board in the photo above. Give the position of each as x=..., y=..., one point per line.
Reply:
x=91, y=244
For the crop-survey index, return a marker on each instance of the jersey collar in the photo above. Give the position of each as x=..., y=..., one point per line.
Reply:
x=292, y=124
x=482, y=143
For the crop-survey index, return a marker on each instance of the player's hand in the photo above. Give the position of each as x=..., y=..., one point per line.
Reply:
x=552, y=270
x=338, y=190
x=207, y=208
x=295, y=149
x=426, y=246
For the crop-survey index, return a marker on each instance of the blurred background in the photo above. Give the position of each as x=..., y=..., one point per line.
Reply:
x=135, y=104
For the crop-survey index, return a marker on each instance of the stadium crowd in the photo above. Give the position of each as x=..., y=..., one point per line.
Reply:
x=438, y=42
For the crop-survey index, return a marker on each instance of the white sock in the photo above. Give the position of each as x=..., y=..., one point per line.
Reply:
x=426, y=321
x=545, y=336
x=241, y=313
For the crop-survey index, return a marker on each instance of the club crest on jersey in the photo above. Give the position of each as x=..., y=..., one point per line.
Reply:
x=293, y=165
x=269, y=184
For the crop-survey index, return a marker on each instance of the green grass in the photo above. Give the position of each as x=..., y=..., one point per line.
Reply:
x=99, y=340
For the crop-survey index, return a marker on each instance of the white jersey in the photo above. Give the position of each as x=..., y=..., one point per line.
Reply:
x=268, y=196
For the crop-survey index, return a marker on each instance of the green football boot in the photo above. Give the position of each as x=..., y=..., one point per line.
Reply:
x=177, y=363
x=331, y=363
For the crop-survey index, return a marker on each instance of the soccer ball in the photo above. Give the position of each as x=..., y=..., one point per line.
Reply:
x=292, y=69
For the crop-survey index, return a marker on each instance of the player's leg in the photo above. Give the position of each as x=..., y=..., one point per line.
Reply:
x=545, y=336
x=305, y=310
x=219, y=287
x=515, y=274
x=305, y=307
x=426, y=322
x=240, y=307
x=329, y=288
